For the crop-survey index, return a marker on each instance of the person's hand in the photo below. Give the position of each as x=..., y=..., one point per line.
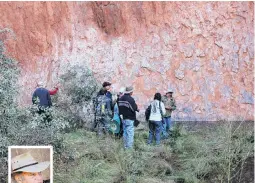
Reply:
x=56, y=86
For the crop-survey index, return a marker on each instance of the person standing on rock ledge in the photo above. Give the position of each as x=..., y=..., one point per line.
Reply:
x=127, y=110
x=170, y=106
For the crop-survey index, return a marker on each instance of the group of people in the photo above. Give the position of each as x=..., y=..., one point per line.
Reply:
x=121, y=111
x=124, y=110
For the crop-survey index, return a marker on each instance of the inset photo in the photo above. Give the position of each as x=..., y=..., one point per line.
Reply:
x=30, y=164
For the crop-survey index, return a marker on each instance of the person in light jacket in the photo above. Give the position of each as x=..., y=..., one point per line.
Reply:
x=155, y=119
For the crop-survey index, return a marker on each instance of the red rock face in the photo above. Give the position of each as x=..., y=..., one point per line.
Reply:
x=203, y=50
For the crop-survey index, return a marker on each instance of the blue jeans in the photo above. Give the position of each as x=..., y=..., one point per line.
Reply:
x=155, y=130
x=128, y=135
x=166, y=126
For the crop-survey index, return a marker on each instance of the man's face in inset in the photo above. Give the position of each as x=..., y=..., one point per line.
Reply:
x=26, y=177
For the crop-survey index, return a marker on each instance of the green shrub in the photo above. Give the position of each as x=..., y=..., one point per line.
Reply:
x=78, y=88
x=213, y=153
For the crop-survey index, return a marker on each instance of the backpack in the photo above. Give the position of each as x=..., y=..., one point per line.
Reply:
x=148, y=113
x=100, y=105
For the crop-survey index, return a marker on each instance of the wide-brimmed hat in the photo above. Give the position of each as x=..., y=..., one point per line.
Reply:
x=170, y=90
x=129, y=89
x=26, y=163
x=122, y=90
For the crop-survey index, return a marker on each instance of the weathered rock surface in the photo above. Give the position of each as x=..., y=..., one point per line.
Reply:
x=204, y=50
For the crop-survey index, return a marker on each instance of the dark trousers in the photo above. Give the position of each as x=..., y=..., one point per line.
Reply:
x=155, y=130
x=102, y=126
x=46, y=115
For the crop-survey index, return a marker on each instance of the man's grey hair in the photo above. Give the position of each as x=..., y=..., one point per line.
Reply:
x=40, y=84
x=17, y=173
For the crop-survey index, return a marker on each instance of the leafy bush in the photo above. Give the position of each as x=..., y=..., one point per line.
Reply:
x=78, y=88
x=214, y=154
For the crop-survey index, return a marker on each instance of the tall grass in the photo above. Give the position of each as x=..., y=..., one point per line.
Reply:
x=215, y=153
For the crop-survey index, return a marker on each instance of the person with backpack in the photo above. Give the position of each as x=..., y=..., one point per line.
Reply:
x=157, y=110
x=170, y=106
x=127, y=110
x=102, y=113
x=107, y=89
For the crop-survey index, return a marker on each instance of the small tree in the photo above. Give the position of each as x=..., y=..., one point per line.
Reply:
x=79, y=87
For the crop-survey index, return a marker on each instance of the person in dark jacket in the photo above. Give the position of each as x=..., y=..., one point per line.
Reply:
x=103, y=113
x=127, y=110
x=107, y=89
x=41, y=97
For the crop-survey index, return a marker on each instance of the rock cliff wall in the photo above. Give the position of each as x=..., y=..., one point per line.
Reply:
x=203, y=50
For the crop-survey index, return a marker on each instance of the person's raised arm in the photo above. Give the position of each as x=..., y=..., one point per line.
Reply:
x=54, y=91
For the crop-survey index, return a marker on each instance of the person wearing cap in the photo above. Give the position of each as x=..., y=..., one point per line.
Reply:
x=25, y=169
x=107, y=88
x=127, y=109
x=103, y=113
x=170, y=105
x=104, y=94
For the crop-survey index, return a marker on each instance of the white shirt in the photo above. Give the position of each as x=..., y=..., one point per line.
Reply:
x=155, y=111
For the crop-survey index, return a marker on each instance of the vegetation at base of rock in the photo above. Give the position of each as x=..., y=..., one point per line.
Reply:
x=208, y=154
x=211, y=153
